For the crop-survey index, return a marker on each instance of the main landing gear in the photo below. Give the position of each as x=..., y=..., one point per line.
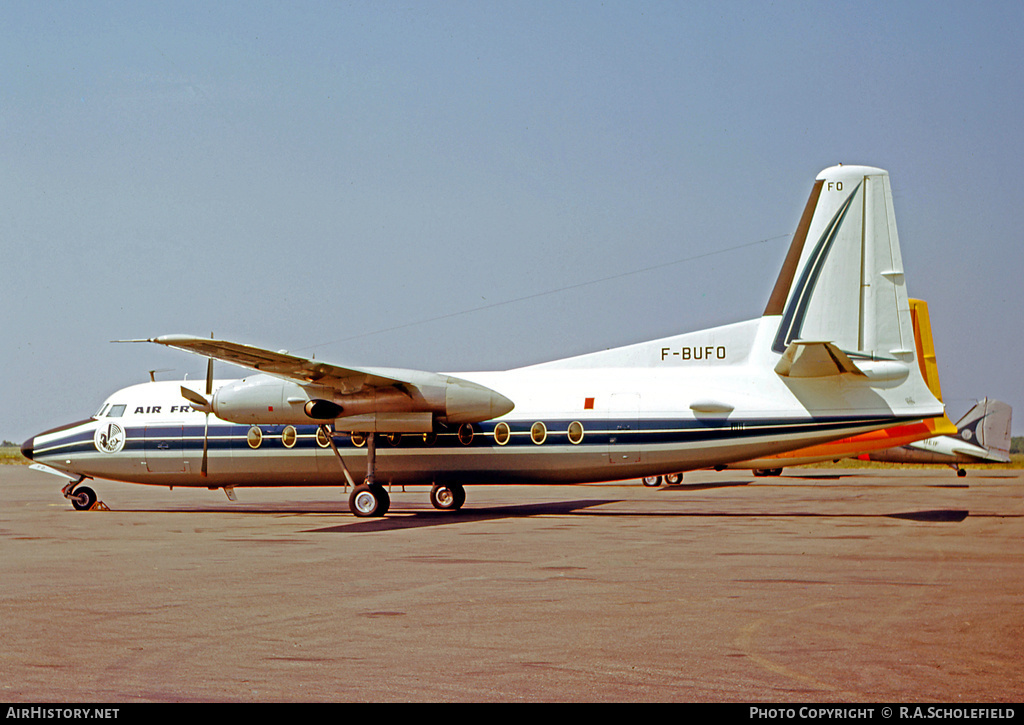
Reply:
x=447, y=496
x=671, y=479
x=370, y=498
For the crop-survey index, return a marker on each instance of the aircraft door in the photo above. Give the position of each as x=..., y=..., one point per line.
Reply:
x=624, y=427
x=164, y=452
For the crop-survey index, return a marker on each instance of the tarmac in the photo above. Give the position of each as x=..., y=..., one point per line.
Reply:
x=841, y=585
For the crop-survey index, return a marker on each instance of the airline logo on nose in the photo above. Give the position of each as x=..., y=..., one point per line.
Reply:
x=109, y=438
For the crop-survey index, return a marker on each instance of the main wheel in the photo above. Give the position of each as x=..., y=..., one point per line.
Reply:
x=651, y=481
x=447, y=496
x=673, y=479
x=368, y=500
x=83, y=498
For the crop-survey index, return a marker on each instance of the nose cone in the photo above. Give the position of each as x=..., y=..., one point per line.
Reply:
x=26, y=448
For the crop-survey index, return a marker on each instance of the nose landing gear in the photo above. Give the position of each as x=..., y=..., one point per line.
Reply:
x=82, y=498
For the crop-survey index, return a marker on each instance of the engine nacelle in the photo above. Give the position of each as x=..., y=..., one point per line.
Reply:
x=266, y=399
x=319, y=409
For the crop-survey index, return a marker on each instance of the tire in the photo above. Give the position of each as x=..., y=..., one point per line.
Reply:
x=673, y=479
x=651, y=481
x=83, y=498
x=366, y=501
x=447, y=497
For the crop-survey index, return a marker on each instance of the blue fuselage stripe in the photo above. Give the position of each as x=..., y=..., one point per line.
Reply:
x=220, y=437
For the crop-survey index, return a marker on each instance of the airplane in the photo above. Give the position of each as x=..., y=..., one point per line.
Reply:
x=982, y=435
x=865, y=442
x=831, y=356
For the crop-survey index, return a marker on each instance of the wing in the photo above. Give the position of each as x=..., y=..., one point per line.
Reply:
x=347, y=391
x=346, y=380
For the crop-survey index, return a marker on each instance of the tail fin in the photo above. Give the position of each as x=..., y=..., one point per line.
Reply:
x=927, y=362
x=987, y=424
x=842, y=282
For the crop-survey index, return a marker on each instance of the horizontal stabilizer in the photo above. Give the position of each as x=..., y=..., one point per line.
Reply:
x=804, y=359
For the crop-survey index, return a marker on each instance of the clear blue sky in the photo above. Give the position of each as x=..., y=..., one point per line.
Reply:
x=379, y=183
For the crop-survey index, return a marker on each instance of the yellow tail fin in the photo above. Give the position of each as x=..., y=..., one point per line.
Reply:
x=929, y=365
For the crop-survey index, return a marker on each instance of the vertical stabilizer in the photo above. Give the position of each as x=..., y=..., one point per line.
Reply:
x=987, y=424
x=928, y=363
x=843, y=278
x=926, y=359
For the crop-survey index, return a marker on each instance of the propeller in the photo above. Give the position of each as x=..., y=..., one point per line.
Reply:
x=205, y=404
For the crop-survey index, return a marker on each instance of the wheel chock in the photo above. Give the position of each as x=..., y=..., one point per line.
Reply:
x=99, y=506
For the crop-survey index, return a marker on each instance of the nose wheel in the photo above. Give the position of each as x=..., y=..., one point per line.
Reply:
x=82, y=498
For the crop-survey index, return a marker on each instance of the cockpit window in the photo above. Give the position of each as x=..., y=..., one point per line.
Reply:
x=116, y=411
x=101, y=411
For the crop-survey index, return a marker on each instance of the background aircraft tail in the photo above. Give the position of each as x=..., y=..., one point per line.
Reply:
x=987, y=424
x=928, y=364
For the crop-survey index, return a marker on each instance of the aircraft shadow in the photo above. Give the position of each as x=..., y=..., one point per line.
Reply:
x=818, y=476
x=683, y=487
x=420, y=519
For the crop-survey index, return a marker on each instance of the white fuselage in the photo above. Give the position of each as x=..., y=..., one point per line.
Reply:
x=681, y=403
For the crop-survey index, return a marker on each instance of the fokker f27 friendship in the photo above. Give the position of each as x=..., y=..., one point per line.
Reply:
x=833, y=355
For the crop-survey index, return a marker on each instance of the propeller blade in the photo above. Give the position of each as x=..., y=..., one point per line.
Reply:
x=209, y=377
x=198, y=401
x=206, y=431
x=209, y=407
